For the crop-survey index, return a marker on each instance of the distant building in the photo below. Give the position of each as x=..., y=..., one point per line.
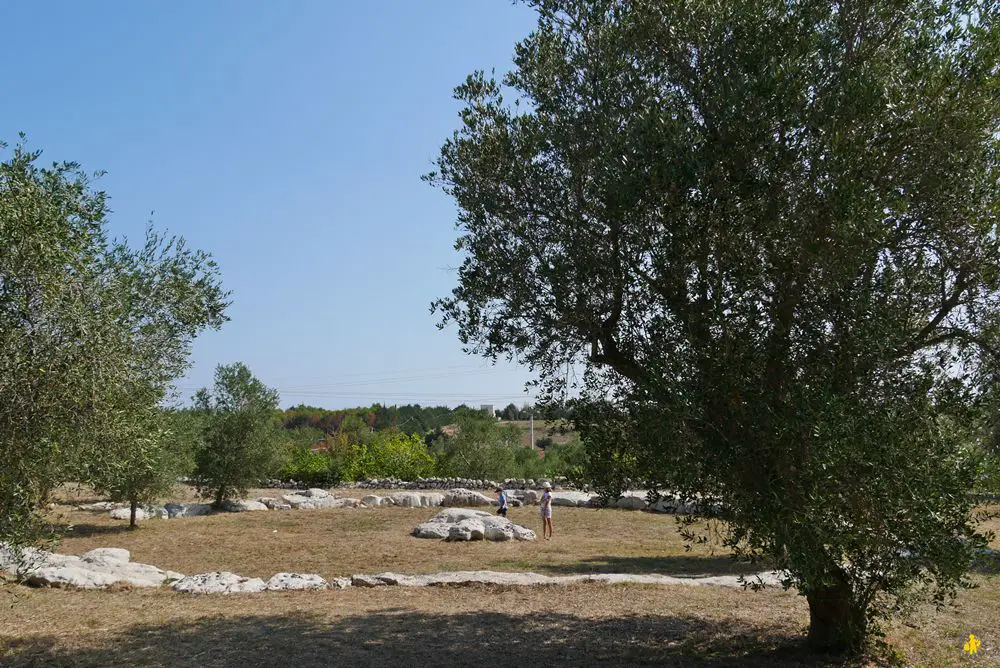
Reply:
x=488, y=409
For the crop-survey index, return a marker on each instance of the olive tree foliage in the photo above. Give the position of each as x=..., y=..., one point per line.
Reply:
x=767, y=231
x=240, y=444
x=91, y=333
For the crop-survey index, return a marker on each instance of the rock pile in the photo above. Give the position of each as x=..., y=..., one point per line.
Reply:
x=464, y=524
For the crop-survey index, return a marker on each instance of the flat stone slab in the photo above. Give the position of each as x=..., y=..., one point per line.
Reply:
x=221, y=582
x=574, y=499
x=295, y=581
x=242, y=506
x=770, y=578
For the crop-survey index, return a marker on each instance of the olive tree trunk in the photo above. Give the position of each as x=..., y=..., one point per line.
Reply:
x=837, y=622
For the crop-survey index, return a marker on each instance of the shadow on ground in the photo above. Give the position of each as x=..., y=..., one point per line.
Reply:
x=409, y=638
x=680, y=566
x=87, y=530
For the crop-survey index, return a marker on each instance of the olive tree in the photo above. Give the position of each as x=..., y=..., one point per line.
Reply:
x=767, y=233
x=92, y=331
x=240, y=444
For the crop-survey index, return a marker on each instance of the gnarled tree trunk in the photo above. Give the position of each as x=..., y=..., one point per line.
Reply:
x=837, y=622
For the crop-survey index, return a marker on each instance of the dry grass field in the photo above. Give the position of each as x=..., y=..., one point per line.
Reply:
x=577, y=625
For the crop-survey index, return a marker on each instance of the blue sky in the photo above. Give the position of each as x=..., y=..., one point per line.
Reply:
x=288, y=139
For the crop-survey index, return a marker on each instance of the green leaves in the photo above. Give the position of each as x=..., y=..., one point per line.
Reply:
x=240, y=444
x=92, y=332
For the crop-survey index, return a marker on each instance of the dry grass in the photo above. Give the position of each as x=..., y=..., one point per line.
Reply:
x=579, y=625
x=345, y=541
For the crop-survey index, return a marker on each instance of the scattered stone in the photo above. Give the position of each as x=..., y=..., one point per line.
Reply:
x=374, y=501
x=339, y=583
x=221, y=582
x=290, y=581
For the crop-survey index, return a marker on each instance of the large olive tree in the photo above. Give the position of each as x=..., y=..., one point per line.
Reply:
x=92, y=332
x=767, y=231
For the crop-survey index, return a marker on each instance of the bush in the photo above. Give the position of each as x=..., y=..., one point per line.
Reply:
x=312, y=468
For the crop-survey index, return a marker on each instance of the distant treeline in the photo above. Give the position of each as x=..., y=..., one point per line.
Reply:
x=409, y=419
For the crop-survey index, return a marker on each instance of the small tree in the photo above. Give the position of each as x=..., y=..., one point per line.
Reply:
x=144, y=467
x=92, y=331
x=240, y=441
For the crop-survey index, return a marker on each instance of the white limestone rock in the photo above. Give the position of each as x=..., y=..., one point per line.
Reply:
x=366, y=581
x=126, y=514
x=469, y=529
x=431, y=530
x=630, y=501
x=221, y=582
x=461, y=524
x=573, y=499
x=108, y=553
x=314, y=501
x=295, y=581
x=242, y=505
x=466, y=498
x=100, y=506
x=417, y=499
x=187, y=509
x=274, y=504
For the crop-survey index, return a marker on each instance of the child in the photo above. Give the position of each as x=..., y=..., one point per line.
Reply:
x=546, y=509
x=502, y=500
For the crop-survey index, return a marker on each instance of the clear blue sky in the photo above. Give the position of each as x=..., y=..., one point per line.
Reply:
x=287, y=138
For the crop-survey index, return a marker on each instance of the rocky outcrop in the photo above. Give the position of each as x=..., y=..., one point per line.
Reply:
x=96, y=569
x=465, y=524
